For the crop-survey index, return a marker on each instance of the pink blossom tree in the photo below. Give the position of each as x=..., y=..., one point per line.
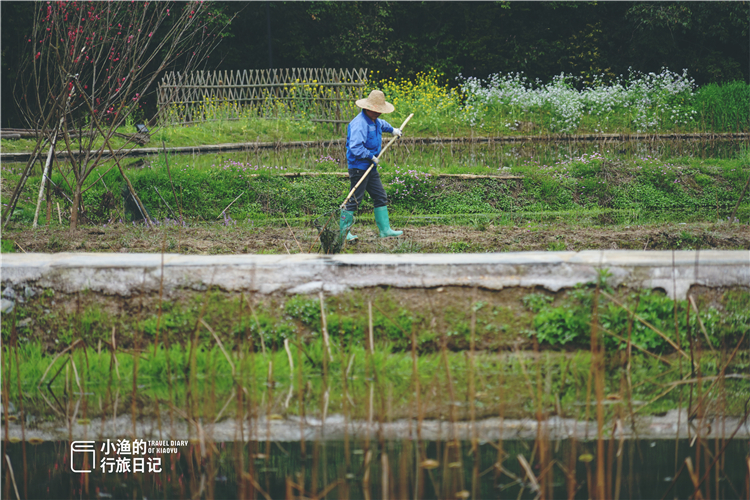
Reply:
x=88, y=67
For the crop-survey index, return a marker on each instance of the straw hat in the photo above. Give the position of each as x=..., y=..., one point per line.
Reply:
x=376, y=102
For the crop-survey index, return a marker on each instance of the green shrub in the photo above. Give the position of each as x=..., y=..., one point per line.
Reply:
x=570, y=321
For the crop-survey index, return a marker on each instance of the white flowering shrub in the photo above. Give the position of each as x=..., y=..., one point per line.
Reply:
x=641, y=103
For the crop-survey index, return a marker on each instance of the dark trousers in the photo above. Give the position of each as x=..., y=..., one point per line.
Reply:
x=371, y=184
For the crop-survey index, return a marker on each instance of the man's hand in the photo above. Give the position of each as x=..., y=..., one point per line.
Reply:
x=374, y=160
x=397, y=132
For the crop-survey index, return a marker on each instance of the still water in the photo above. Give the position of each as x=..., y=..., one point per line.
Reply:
x=355, y=469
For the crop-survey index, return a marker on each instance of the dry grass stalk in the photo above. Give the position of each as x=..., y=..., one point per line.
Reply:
x=14, y=346
x=71, y=346
x=719, y=455
x=324, y=325
x=694, y=478
x=700, y=322
x=293, y=236
x=597, y=354
x=224, y=211
x=366, y=476
x=722, y=372
x=384, y=471
x=257, y=323
x=625, y=341
x=529, y=474
x=220, y=344
x=12, y=476
x=371, y=338
x=648, y=325
x=161, y=292
x=223, y=408
x=255, y=484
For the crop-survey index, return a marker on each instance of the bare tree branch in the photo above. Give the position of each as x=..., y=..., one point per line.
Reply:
x=113, y=53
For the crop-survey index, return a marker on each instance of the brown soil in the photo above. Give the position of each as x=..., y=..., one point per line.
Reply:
x=443, y=309
x=218, y=239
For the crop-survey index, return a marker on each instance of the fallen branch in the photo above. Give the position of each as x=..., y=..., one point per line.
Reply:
x=222, y=212
x=165, y=202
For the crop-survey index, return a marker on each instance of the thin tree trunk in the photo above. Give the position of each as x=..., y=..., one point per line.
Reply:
x=74, y=208
x=44, y=177
x=10, y=208
x=49, y=203
x=95, y=122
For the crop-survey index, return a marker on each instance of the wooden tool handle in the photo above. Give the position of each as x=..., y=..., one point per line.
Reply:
x=393, y=139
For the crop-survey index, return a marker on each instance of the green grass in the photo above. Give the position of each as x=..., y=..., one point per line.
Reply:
x=8, y=247
x=610, y=187
x=576, y=185
x=177, y=355
x=217, y=132
x=213, y=380
x=25, y=145
x=569, y=320
x=245, y=130
x=724, y=108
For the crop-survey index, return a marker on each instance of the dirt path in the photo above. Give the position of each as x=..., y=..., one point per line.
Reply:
x=218, y=239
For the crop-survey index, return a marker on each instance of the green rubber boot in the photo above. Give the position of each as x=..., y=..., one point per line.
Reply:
x=346, y=221
x=381, y=219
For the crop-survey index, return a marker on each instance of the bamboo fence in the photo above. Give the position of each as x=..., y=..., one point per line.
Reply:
x=318, y=94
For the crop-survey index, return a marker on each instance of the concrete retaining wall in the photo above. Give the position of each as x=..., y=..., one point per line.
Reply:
x=128, y=274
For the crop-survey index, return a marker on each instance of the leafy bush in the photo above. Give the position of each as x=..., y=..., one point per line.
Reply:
x=535, y=302
x=570, y=322
x=563, y=324
x=305, y=309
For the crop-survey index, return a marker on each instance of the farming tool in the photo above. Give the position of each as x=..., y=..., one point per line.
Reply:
x=333, y=226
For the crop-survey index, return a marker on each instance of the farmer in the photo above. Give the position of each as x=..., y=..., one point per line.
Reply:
x=363, y=143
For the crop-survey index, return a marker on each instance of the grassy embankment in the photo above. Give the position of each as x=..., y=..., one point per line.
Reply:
x=596, y=188
x=635, y=188
x=584, y=187
x=204, y=346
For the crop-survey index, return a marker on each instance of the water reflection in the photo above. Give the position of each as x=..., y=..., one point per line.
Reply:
x=389, y=469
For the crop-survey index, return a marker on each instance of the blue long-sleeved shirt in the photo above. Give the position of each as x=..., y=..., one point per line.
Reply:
x=364, y=139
